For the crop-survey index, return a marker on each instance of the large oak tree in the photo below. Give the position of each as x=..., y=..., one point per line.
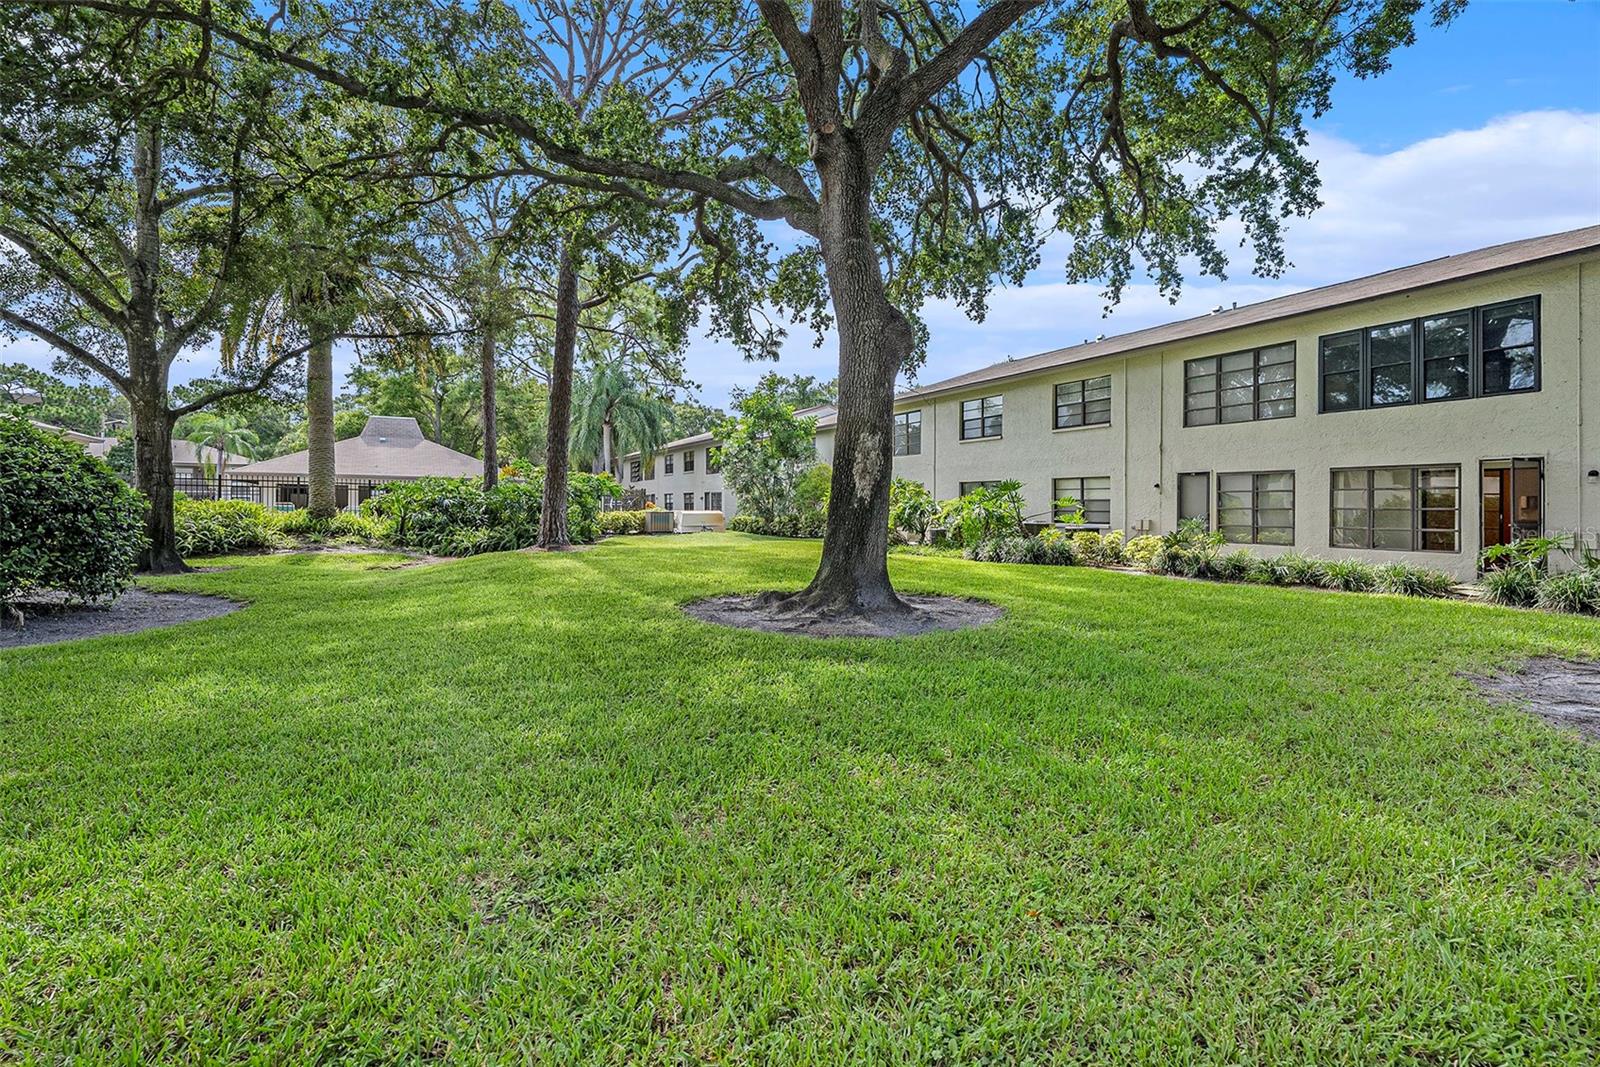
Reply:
x=916, y=149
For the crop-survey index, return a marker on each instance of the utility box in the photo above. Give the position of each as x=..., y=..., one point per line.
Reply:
x=657, y=521
x=700, y=521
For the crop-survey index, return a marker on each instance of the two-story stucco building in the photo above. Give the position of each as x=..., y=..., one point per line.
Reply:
x=1419, y=414
x=683, y=475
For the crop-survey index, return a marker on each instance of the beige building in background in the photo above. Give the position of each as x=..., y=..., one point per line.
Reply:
x=1418, y=414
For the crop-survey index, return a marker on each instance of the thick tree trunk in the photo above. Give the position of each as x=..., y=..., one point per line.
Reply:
x=491, y=456
x=322, y=502
x=553, y=515
x=875, y=339
x=147, y=366
x=152, y=459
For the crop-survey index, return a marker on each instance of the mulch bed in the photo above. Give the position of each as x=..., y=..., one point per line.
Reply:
x=1561, y=692
x=929, y=614
x=48, y=621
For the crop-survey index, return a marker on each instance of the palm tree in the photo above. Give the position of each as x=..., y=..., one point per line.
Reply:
x=614, y=411
x=224, y=433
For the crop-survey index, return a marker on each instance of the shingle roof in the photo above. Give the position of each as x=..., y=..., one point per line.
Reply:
x=188, y=454
x=388, y=447
x=1390, y=282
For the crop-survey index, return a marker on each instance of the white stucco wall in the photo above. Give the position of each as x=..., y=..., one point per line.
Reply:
x=1147, y=446
x=699, y=482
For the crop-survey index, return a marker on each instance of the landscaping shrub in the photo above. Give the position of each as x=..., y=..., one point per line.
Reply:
x=811, y=524
x=1291, y=568
x=613, y=523
x=911, y=508
x=67, y=522
x=1576, y=591
x=1236, y=566
x=1349, y=575
x=1514, y=585
x=455, y=517
x=345, y=527
x=1403, y=579
x=1141, y=550
x=216, y=527
x=987, y=512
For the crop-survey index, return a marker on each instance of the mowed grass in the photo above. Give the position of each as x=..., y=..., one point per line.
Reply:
x=518, y=807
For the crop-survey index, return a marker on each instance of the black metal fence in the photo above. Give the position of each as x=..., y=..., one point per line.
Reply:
x=280, y=492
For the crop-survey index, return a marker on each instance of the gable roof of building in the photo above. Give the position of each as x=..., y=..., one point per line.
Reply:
x=188, y=454
x=388, y=447
x=1388, y=283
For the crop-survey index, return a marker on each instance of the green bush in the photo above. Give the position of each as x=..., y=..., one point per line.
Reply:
x=1403, y=579
x=1515, y=585
x=613, y=523
x=911, y=508
x=985, y=513
x=811, y=524
x=67, y=522
x=1349, y=575
x=1141, y=550
x=455, y=517
x=217, y=527
x=1291, y=568
x=1576, y=591
x=1236, y=566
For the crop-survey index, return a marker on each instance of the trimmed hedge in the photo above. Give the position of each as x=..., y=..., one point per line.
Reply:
x=67, y=522
x=217, y=527
x=613, y=523
x=811, y=524
x=455, y=517
x=1195, y=554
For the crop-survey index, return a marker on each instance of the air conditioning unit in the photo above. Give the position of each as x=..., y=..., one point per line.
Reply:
x=700, y=521
x=657, y=521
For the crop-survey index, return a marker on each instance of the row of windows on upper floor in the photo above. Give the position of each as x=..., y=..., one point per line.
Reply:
x=638, y=473
x=1402, y=509
x=1484, y=351
x=712, y=501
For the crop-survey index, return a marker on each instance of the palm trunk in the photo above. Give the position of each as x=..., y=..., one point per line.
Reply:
x=491, y=458
x=875, y=339
x=322, y=501
x=553, y=514
x=605, y=447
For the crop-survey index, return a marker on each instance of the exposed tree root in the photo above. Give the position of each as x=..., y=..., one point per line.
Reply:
x=805, y=613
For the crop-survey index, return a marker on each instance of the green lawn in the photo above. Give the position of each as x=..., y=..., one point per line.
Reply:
x=519, y=807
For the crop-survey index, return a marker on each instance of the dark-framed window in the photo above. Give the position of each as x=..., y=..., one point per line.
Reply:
x=967, y=487
x=1194, y=497
x=981, y=417
x=666, y=502
x=650, y=498
x=908, y=433
x=713, y=501
x=688, y=502
x=1240, y=386
x=668, y=461
x=714, y=460
x=1083, y=403
x=1092, y=494
x=1256, y=507
x=1402, y=509
x=688, y=460
x=1488, y=350
x=635, y=470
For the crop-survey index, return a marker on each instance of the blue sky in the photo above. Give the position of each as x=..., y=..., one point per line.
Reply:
x=1485, y=131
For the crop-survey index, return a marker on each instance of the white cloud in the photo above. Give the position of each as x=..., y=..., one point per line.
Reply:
x=1517, y=176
